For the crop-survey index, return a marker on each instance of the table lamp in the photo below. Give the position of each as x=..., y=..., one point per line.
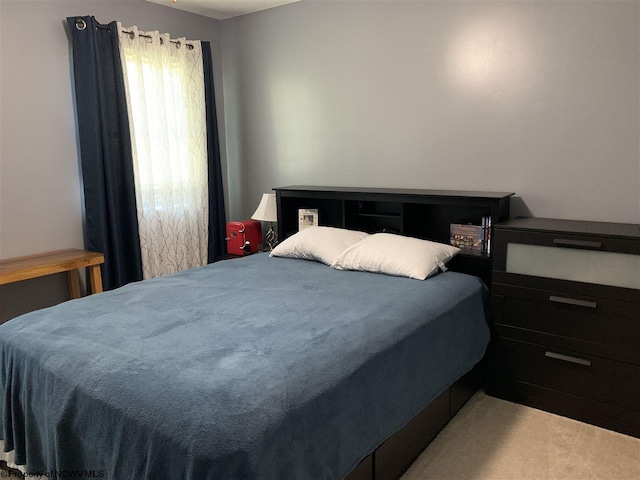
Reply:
x=267, y=212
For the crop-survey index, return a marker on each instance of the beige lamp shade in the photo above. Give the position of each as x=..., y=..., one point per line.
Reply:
x=266, y=211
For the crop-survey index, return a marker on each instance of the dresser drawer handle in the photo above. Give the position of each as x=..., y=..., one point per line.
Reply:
x=565, y=242
x=572, y=301
x=568, y=358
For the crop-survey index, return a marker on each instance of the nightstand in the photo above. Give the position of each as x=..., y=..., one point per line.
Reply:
x=566, y=319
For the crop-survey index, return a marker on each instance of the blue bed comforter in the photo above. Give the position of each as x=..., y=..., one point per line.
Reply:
x=253, y=368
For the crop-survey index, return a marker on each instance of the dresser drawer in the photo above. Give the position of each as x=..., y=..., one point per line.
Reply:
x=587, y=266
x=593, y=378
x=589, y=325
x=596, y=413
x=593, y=259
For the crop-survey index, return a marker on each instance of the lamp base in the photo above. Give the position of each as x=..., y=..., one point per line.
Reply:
x=271, y=237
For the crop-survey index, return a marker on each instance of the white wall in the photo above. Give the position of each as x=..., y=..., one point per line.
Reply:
x=40, y=189
x=539, y=98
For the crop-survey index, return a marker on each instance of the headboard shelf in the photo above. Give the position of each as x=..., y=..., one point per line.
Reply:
x=314, y=190
x=425, y=214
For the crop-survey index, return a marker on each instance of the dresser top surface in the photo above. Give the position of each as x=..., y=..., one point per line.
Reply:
x=554, y=225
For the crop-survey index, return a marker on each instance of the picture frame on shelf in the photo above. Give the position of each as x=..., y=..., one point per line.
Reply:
x=307, y=217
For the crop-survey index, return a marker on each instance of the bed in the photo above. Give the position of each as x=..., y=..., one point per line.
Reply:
x=257, y=367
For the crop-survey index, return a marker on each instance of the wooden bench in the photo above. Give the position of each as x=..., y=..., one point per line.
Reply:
x=70, y=261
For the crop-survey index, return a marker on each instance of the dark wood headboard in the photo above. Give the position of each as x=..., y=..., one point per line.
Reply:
x=425, y=214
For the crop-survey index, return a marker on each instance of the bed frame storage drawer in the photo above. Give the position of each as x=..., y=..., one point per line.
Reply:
x=566, y=319
x=395, y=455
x=588, y=325
x=598, y=379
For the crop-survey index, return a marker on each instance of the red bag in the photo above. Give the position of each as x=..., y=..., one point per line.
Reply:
x=243, y=237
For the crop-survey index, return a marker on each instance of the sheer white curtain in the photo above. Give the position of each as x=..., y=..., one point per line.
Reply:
x=164, y=82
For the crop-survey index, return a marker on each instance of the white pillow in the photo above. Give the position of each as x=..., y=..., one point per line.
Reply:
x=321, y=244
x=396, y=255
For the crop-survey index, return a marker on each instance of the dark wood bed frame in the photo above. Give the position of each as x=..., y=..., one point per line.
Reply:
x=425, y=214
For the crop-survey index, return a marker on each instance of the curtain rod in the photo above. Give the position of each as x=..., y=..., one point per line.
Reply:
x=81, y=25
x=177, y=43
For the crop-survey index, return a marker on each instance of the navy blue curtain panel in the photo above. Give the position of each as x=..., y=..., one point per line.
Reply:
x=217, y=224
x=105, y=150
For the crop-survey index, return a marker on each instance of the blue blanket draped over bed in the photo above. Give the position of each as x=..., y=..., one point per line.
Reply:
x=253, y=368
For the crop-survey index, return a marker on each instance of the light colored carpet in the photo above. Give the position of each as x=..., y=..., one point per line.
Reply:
x=499, y=440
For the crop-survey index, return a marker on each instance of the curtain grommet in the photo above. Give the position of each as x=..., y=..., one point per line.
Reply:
x=80, y=24
x=178, y=44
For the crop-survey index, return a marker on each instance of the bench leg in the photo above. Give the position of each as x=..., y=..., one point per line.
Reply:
x=96, y=279
x=73, y=280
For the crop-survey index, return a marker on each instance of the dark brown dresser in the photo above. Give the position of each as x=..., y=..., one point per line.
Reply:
x=566, y=319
